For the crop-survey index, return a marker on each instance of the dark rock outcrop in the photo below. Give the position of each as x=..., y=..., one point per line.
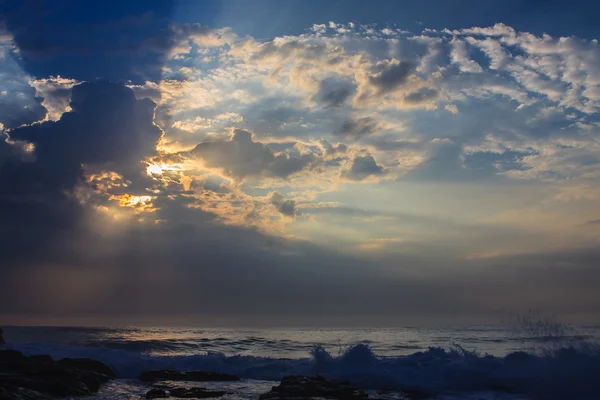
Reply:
x=196, y=393
x=17, y=393
x=157, y=394
x=191, y=376
x=185, y=393
x=306, y=388
x=40, y=377
x=89, y=365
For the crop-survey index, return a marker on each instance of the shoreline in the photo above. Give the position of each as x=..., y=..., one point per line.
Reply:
x=43, y=378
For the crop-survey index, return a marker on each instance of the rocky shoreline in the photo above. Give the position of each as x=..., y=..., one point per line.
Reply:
x=42, y=378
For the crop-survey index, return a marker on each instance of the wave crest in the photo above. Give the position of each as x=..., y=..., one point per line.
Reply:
x=569, y=372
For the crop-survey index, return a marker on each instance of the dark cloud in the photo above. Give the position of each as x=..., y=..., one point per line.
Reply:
x=38, y=202
x=272, y=120
x=334, y=93
x=286, y=207
x=38, y=218
x=422, y=95
x=286, y=117
x=277, y=116
x=106, y=125
x=209, y=270
x=357, y=128
x=339, y=148
x=242, y=157
x=362, y=168
x=91, y=39
x=18, y=102
x=390, y=75
x=13, y=114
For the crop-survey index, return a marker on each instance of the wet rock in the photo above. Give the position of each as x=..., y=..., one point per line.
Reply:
x=58, y=384
x=406, y=393
x=7, y=356
x=17, y=393
x=41, y=359
x=24, y=377
x=191, y=376
x=306, y=388
x=157, y=394
x=196, y=393
x=89, y=365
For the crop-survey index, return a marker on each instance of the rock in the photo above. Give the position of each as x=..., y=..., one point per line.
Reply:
x=10, y=356
x=191, y=376
x=40, y=376
x=196, y=393
x=157, y=394
x=52, y=385
x=41, y=359
x=406, y=393
x=89, y=365
x=16, y=393
x=306, y=388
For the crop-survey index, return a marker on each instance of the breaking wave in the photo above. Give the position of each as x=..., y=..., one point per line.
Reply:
x=570, y=371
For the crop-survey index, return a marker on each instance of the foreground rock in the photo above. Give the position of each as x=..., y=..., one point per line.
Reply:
x=190, y=376
x=306, y=388
x=157, y=394
x=184, y=393
x=40, y=377
x=196, y=393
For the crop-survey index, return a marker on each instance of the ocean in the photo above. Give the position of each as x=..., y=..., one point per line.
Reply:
x=478, y=362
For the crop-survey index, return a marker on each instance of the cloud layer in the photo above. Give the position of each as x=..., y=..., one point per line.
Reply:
x=279, y=170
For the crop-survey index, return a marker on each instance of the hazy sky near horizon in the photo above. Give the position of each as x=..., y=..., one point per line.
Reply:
x=299, y=162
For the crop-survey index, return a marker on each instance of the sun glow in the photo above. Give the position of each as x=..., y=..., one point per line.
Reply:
x=159, y=169
x=138, y=203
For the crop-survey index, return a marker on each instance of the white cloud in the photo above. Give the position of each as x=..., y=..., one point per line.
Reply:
x=460, y=55
x=56, y=92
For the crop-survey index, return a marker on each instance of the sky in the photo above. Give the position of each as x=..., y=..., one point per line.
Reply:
x=298, y=163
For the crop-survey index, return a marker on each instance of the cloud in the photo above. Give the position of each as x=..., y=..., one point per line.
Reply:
x=55, y=93
x=334, y=93
x=460, y=56
x=286, y=207
x=18, y=101
x=421, y=96
x=242, y=157
x=451, y=108
x=106, y=124
x=117, y=44
x=227, y=177
x=388, y=75
x=41, y=192
x=363, y=167
x=357, y=128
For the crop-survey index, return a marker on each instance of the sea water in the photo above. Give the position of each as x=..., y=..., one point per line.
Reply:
x=477, y=362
